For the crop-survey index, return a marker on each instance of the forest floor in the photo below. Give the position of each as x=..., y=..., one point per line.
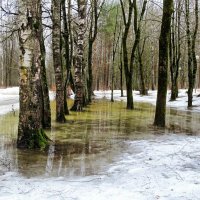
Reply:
x=164, y=167
x=9, y=99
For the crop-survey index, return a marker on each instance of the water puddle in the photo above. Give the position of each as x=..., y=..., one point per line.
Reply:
x=90, y=141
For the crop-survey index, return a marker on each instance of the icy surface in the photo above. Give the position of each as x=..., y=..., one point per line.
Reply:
x=9, y=100
x=164, y=167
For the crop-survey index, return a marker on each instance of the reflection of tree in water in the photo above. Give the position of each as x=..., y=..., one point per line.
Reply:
x=8, y=130
x=185, y=122
x=31, y=163
x=89, y=142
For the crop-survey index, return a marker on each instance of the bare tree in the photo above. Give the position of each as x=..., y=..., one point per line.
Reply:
x=191, y=44
x=175, y=49
x=46, y=111
x=93, y=30
x=128, y=62
x=163, y=63
x=114, y=50
x=56, y=46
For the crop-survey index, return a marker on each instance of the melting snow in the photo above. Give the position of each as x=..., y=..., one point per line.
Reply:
x=164, y=167
x=9, y=99
x=168, y=167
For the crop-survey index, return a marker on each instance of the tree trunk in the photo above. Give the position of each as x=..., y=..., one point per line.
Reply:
x=128, y=75
x=56, y=45
x=90, y=75
x=129, y=87
x=191, y=42
x=11, y=63
x=143, y=90
x=46, y=114
x=92, y=37
x=128, y=65
x=114, y=49
x=163, y=63
x=152, y=69
x=121, y=73
x=175, y=51
x=30, y=132
x=66, y=55
x=79, y=87
x=192, y=61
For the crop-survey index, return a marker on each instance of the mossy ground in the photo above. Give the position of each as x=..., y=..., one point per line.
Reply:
x=86, y=136
x=101, y=119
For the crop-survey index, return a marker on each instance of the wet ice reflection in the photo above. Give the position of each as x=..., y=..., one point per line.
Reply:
x=90, y=141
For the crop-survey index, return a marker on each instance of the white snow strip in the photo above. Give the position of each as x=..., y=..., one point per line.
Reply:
x=180, y=103
x=9, y=99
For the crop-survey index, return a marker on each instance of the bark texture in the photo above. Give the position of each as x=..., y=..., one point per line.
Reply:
x=67, y=58
x=143, y=89
x=56, y=46
x=79, y=62
x=191, y=42
x=175, y=49
x=30, y=132
x=46, y=111
x=163, y=63
x=92, y=37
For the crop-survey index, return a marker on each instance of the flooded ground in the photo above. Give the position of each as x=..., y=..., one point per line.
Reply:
x=106, y=152
x=98, y=132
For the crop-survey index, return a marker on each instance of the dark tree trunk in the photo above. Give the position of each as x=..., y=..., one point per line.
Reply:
x=174, y=67
x=129, y=87
x=163, y=63
x=10, y=63
x=128, y=65
x=175, y=51
x=114, y=49
x=46, y=114
x=128, y=74
x=143, y=90
x=90, y=75
x=92, y=37
x=152, y=70
x=174, y=90
x=121, y=74
x=56, y=46
x=191, y=40
x=66, y=55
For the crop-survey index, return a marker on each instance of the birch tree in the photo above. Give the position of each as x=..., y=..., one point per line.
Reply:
x=175, y=49
x=79, y=65
x=56, y=46
x=30, y=131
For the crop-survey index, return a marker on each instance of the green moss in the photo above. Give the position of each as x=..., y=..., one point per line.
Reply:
x=36, y=25
x=39, y=140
